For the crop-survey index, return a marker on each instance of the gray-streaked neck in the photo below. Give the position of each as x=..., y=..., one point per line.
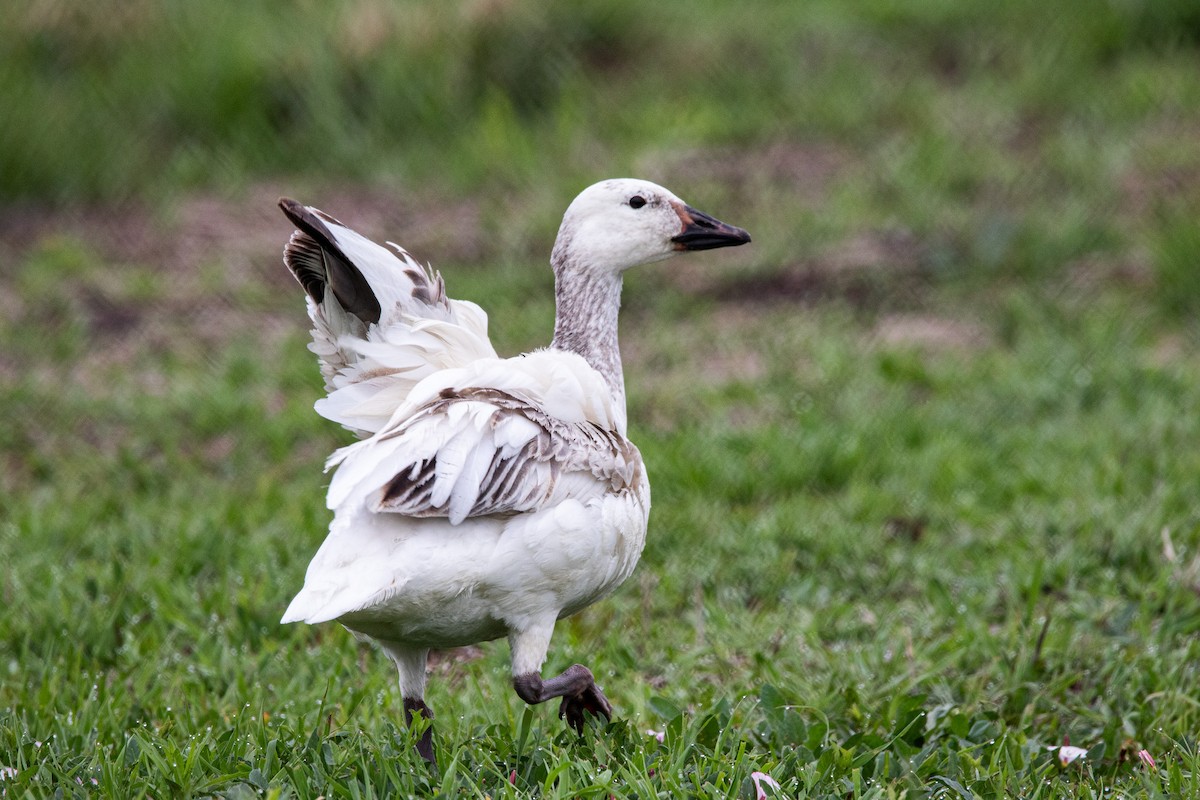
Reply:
x=586, y=309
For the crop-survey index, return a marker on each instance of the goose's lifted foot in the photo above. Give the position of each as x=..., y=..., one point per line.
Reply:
x=577, y=688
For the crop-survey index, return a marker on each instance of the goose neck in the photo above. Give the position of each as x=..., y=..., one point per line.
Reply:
x=587, y=303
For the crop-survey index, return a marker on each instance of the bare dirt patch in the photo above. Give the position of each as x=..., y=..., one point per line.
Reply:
x=930, y=332
x=1164, y=175
x=199, y=273
x=805, y=170
x=247, y=227
x=862, y=270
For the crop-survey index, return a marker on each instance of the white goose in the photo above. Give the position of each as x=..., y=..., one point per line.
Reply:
x=491, y=496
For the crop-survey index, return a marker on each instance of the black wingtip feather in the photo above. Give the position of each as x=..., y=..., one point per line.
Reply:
x=304, y=258
x=315, y=259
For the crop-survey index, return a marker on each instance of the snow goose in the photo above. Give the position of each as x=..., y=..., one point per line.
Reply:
x=489, y=496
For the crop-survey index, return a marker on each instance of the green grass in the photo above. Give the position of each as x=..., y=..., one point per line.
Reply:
x=924, y=456
x=873, y=567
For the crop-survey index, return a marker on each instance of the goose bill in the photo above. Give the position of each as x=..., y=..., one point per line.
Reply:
x=702, y=232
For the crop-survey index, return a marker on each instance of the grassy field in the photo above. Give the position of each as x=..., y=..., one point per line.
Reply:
x=924, y=455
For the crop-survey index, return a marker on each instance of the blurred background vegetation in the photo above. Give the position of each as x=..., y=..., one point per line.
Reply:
x=949, y=391
x=1016, y=139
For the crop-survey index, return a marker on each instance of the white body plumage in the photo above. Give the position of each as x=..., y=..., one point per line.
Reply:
x=453, y=580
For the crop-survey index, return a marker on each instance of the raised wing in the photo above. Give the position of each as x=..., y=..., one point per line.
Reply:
x=381, y=321
x=369, y=281
x=478, y=452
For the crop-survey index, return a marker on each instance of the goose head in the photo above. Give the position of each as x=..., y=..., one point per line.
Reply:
x=623, y=222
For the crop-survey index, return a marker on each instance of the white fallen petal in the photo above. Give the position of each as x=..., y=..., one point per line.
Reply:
x=1067, y=754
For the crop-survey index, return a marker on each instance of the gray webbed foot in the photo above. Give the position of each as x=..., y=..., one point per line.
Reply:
x=577, y=688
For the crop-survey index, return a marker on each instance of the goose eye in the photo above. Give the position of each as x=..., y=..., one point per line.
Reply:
x=637, y=201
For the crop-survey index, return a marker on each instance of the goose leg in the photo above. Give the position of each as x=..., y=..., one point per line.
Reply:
x=576, y=685
x=410, y=663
